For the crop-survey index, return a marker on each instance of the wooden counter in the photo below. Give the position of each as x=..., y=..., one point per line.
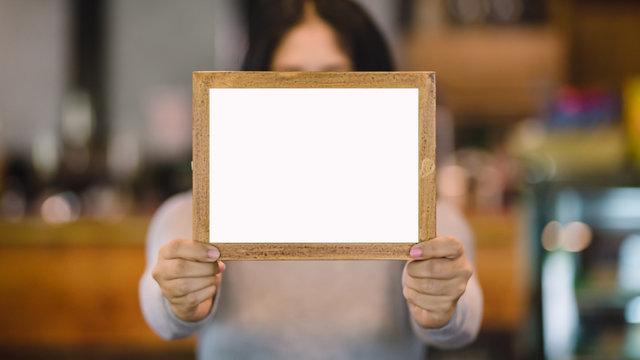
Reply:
x=75, y=286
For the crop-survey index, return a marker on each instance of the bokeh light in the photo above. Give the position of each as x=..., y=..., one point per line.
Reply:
x=60, y=208
x=77, y=121
x=45, y=154
x=632, y=311
x=629, y=265
x=576, y=236
x=551, y=235
x=573, y=237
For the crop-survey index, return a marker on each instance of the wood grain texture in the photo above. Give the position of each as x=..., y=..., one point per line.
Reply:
x=315, y=251
x=424, y=81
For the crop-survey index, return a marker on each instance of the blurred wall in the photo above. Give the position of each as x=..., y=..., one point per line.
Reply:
x=34, y=48
x=153, y=47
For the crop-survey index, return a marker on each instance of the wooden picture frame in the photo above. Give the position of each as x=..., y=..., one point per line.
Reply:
x=424, y=82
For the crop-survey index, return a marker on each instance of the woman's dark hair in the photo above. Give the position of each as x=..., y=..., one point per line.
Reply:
x=270, y=20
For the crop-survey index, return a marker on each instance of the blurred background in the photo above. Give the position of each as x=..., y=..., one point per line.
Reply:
x=538, y=143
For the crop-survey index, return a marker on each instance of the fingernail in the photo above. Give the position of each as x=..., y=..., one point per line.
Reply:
x=415, y=252
x=222, y=266
x=213, y=254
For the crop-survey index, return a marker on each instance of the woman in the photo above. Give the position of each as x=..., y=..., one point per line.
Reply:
x=307, y=309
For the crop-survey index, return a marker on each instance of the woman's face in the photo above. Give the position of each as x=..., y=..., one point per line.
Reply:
x=311, y=45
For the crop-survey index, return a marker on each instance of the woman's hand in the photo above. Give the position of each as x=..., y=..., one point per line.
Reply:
x=435, y=279
x=189, y=274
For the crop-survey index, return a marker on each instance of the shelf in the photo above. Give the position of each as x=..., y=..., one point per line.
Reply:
x=491, y=72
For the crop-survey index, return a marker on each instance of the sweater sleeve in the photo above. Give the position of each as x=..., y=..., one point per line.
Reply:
x=172, y=220
x=463, y=327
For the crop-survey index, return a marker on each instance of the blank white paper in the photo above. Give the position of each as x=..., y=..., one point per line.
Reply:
x=313, y=165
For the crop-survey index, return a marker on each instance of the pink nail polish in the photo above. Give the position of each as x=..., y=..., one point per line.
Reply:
x=415, y=252
x=213, y=254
